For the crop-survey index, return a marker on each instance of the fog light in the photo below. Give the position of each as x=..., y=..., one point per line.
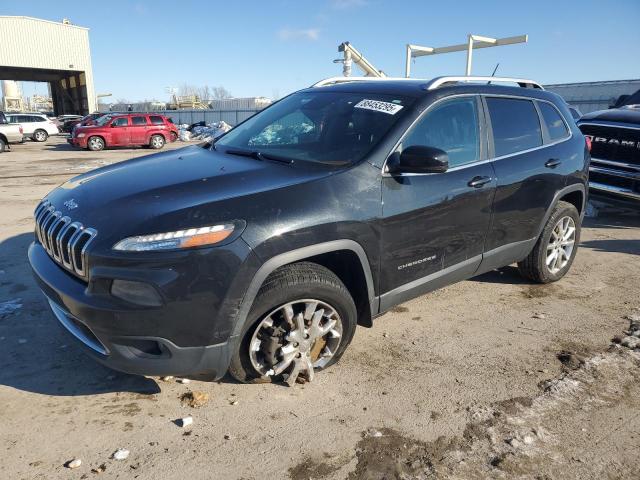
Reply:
x=136, y=292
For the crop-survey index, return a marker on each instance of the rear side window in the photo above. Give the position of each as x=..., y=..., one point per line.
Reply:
x=451, y=126
x=515, y=125
x=156, y=120
x=554, y=122
x=139, y=120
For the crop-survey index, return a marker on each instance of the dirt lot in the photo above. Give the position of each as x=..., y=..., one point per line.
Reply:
x=490, y=378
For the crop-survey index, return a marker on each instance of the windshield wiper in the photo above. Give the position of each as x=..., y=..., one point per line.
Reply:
x=259, y=155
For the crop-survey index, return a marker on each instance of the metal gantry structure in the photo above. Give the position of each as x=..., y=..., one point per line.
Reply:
x=352, y=55
x=473, y=42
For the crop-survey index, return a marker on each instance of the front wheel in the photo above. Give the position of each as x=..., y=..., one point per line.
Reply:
x=40, y=136
x=156, y=142
x=95, y=144
x=2, y=145
x=302, y=321
x=553, y=254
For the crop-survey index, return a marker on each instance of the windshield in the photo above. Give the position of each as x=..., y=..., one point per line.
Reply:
x=101, y=121
x=317, y=126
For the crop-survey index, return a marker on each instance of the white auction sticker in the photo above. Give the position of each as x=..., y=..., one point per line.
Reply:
x=378, y=106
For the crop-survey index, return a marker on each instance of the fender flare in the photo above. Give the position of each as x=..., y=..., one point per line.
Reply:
x=292, y=256
x=576, y=187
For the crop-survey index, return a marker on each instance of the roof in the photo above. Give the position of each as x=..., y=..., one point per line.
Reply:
x=22, y=17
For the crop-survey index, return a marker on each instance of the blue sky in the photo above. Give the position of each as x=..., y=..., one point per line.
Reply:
x=259, y=48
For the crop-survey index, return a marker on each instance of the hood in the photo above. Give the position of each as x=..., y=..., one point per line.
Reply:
x=615, y=115
x=184, y=188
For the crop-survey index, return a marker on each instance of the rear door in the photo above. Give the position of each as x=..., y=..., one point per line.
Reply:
x=119, y=131
x=434, y=225
x=530, y=167
x=138, y=130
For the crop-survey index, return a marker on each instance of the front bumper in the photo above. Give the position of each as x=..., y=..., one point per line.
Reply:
x=188, y=335
x=77, y=142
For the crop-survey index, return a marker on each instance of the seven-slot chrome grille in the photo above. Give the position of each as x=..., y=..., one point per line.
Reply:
x=64, y=240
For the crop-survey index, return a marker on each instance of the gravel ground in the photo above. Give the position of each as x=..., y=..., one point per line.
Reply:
x=489, y=378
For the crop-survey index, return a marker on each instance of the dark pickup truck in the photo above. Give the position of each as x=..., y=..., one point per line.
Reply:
x=614, y=174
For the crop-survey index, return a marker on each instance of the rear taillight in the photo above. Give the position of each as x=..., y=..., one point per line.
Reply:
x=587, y=140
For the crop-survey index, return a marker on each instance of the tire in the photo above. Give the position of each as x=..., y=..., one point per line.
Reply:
x=300, y=284
x=2, y=145
x=95, y=144
x=174, y=137
x=40, y=136
x=536, y=265
x=156, y=142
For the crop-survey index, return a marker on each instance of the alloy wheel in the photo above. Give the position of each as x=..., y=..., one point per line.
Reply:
x=561, y=244
x=294, y=339
x=157, y=142
x=40, y=136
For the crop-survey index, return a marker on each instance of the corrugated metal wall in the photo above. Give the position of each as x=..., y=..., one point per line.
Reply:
x=591, y=96
x=232, y=117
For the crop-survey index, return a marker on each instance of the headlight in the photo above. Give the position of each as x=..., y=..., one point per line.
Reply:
x=193, y=237
x=80, y=135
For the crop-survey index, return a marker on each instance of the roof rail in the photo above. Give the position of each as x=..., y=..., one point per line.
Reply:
x=431, y=84
x=334, y=80
x=440, y=81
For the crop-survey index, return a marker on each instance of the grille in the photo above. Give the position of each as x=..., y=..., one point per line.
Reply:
x=614, y=143
x=65, y=241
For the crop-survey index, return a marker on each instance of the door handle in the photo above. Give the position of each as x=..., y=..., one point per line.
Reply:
x=477, y=182
x=552, y=163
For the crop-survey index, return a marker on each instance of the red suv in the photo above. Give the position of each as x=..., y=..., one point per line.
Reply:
x=125, y=130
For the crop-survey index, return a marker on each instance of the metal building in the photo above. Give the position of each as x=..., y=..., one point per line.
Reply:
x=591, y=96
x=36, y=50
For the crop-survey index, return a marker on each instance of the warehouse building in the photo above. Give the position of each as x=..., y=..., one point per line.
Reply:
x=591, y=96
x=35, y=50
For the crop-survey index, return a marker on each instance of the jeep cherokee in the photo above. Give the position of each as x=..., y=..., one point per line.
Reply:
x=260, y=253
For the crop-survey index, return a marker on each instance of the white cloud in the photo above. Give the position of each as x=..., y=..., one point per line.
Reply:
x=299, y=34
x=344, y=4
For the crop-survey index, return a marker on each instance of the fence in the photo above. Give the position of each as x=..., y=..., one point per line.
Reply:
x=232, y=117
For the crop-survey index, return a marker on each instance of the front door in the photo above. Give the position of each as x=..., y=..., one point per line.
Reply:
x=120, y=131
x=434, y=225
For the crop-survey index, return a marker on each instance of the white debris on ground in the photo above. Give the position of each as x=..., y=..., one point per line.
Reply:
x=120, y=454
x=202, y=131
x=10, y=306
x=75, y=463
x=186, y=421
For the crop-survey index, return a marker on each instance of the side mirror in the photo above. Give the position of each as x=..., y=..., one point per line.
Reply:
x=420, y=159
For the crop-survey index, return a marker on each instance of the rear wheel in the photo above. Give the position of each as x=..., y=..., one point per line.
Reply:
x=2, y=145
x=95, y=143
x=40, y=136
x=553, y=254
x=156, y=142
x=302, y=321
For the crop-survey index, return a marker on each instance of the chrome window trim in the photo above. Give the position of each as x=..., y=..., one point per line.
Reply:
x=386, y=174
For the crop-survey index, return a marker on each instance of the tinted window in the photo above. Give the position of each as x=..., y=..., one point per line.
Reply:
x=319, y=126
x=515, y=125
x=451, y=126
x=156, y=120
x=139, y=120
x=121, y=122
x=554, y=122
x=37, y=119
